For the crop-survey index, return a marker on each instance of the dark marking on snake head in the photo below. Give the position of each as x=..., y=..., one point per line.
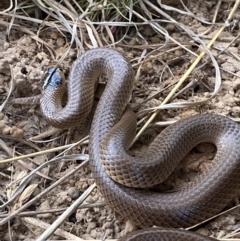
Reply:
x=53, y=77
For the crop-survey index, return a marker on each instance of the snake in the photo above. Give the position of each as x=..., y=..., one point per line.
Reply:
x=164, y=234
x=127, y=182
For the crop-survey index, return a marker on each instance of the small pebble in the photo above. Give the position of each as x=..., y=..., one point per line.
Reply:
x=73, y=192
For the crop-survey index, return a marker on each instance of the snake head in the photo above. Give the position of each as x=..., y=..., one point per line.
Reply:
x=53, y=77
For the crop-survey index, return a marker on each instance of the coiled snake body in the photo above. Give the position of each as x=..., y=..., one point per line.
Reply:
x=112, y=130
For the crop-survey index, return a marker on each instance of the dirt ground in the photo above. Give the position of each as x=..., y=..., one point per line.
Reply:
x=23, y=61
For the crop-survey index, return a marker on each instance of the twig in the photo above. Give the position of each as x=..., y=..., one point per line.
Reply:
x=40, y=152
x=54, y=210
x=50, y=230
x=44, y=225
x=40, y=195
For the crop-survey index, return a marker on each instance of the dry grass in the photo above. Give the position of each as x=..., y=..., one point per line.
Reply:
x=89, y=24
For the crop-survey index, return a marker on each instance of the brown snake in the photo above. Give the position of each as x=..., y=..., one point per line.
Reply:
x=112, y=130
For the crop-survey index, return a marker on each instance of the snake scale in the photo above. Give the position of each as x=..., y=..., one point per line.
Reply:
x=112, y=130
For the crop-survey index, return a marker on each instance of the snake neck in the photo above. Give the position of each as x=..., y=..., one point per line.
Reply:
x=84, y=74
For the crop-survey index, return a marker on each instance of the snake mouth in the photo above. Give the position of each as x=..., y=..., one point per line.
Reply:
x=53, y=77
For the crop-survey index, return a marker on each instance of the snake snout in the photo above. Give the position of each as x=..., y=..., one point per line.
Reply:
x=53, y=77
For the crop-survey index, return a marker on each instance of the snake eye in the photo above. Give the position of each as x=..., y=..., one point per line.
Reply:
x=53, y=77
x=56, y=80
